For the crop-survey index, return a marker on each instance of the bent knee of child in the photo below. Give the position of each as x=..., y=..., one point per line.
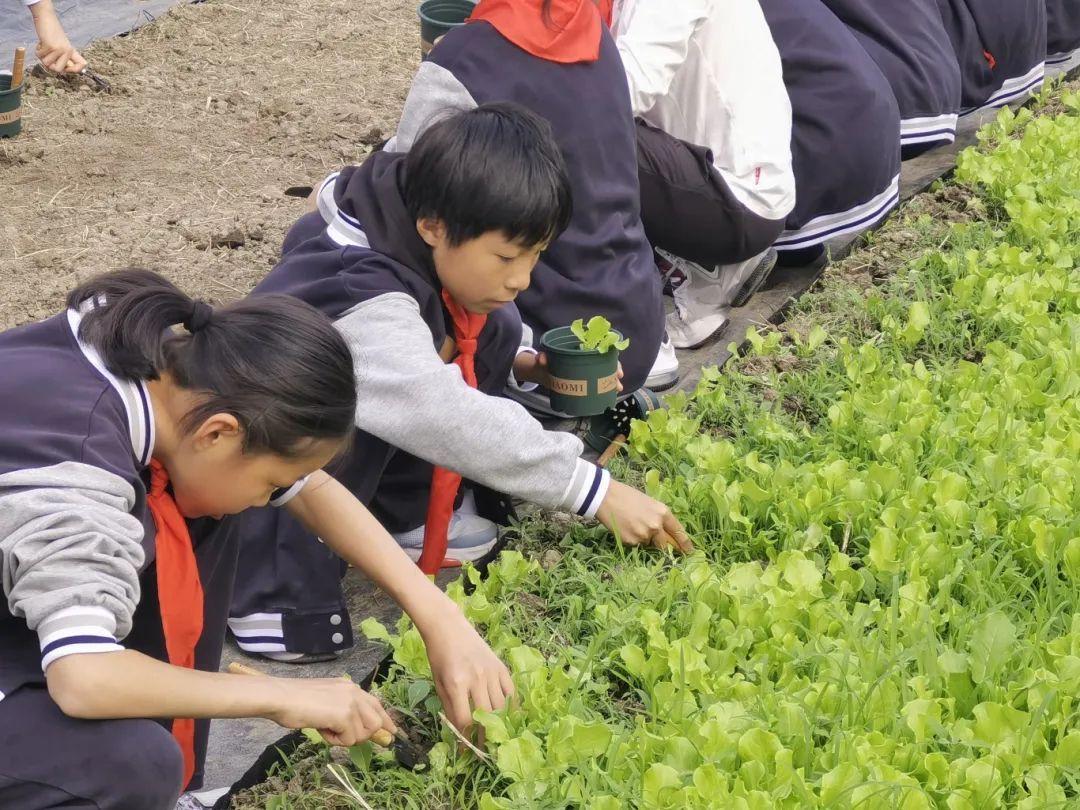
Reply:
x=148, y=764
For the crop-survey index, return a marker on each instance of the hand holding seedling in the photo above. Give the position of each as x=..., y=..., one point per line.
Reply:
x=54, y=49
x=467, y=674
x=636, y=520
x=342, y=712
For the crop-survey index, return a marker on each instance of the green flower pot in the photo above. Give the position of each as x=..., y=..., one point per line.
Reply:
x=439, y=16
x=583, y=383
x=10, y=108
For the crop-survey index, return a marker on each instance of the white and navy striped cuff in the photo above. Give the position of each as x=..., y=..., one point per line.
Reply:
x=1054, y=59
x=258, y=632
x=1013, y=90
x=587, y=489
x=76, y=630
x=821, y=229
x=929, y=129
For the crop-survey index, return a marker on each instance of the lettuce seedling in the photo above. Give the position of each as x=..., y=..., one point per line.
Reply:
x=597, y=335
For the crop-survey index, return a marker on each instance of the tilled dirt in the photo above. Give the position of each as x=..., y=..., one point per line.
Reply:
x=217, y=109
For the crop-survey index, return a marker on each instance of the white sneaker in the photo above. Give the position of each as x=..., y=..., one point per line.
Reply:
x=470, y=538
x=704, y=301
x=700, y=310
x=665, y=371
x=759, y=274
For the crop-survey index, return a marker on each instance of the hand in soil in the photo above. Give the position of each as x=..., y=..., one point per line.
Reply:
x=637, y=520
x=54, y=49
x=342, y=712
x=467, y=674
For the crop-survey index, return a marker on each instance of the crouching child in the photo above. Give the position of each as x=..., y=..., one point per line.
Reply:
x=125, y=446
x=418, y=257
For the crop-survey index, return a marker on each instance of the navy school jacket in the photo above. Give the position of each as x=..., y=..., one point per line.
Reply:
x=909, y=43
x=76, y=536
x=1001, y=47
x=602, y=264
x=846, y=125
x=1062, y=30
x=360, y=260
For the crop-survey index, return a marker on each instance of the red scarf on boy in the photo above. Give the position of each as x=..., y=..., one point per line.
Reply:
x=570, y=32
x=445, y=483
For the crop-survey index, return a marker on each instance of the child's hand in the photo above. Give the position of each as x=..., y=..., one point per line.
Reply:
x=636, y=519
x=342, y=712
x=531, y=367
x=54, y=49
x=468, y=675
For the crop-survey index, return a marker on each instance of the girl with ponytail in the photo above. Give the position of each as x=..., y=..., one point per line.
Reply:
x=132, y=427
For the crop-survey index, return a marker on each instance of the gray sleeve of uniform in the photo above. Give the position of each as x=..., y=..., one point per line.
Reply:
x=70, y=554
x=435, y=93
x=408, y=397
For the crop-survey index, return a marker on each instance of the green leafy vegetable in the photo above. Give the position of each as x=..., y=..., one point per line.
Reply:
x=884, y=610
x=598, y=335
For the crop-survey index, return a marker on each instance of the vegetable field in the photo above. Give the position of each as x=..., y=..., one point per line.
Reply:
x=884, y=607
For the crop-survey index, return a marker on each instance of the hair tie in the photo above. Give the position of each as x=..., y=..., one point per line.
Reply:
x=199, y=317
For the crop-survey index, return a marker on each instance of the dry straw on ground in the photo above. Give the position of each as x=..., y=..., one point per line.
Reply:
x=218, y=107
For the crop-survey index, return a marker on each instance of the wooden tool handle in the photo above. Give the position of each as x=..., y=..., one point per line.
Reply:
x=18, y=68
x=236, y=668
x=611, y=450
x=381, y=737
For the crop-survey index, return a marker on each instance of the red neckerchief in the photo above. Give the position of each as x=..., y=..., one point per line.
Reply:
x=444, y=483
x=570, y=33
x=607, y=10
x=180, y=594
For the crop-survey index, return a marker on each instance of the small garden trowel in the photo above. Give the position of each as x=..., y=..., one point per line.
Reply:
x=406, y=752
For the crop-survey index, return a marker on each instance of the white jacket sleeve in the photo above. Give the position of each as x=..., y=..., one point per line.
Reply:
x=653, y=37
x=408, y=397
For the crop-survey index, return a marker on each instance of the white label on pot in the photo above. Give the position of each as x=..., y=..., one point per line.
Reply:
x=11, y=117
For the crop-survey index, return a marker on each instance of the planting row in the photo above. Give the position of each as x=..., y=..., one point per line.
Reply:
x=884, y=608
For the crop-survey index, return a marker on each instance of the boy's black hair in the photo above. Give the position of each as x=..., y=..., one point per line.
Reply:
x=274, y=362
x=493, y=168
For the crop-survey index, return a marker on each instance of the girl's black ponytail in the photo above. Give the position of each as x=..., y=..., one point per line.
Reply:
x=127, y=319
x=274, y=362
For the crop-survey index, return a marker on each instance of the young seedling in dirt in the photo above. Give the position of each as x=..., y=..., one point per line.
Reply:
x=597, y=335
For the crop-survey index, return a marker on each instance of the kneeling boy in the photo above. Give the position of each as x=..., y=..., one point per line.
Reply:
x=418, y=257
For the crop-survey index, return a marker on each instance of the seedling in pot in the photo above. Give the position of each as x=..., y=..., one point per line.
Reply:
x=583, y=363
x=597, y=335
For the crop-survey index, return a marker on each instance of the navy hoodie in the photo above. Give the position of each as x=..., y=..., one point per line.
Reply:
x=360, y=260
x=602, y=264
x=845, y=140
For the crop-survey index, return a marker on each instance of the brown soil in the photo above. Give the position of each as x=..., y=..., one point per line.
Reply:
x=217, y=108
